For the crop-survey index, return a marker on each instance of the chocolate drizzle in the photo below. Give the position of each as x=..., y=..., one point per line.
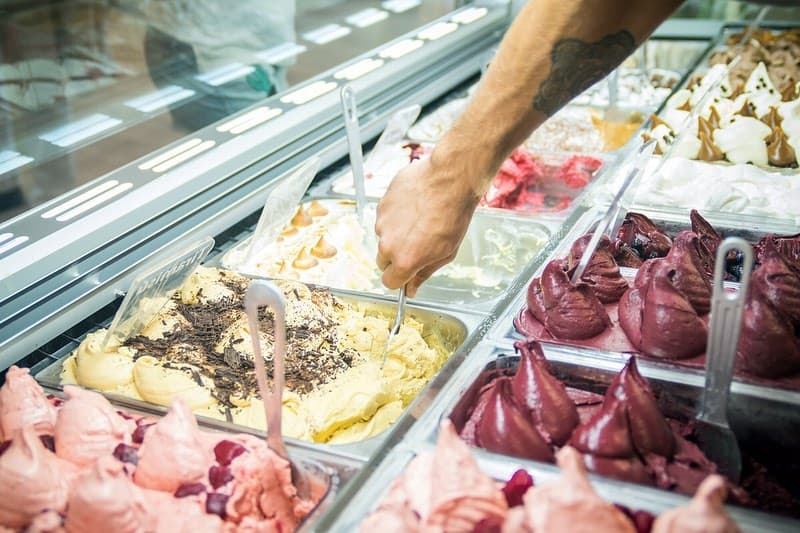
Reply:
x=193, y=346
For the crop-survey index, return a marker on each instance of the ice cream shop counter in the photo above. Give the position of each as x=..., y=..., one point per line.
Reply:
x=194, y=335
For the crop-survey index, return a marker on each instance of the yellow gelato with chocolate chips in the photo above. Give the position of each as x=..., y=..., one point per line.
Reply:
x=198, y=348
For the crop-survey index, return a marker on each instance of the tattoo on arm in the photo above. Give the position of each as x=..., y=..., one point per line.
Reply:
x=577, y=65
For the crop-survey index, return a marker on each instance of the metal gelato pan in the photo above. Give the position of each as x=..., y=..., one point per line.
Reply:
x=768, y=429
x=452, y=328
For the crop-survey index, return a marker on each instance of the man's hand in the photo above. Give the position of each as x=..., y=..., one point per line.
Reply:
x=421, y=222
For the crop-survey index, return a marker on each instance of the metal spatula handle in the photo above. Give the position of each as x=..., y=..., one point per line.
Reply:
x=724, y=328
x=398, y=321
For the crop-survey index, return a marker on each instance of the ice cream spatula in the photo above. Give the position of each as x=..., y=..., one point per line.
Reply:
x=713, y=433
x=348, y=97
x=398, y=321
x=259, y=293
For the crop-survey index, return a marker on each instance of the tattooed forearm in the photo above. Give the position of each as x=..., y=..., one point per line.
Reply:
x=577, y=65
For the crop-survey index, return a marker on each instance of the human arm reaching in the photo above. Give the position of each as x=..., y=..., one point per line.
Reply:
x=553, y=51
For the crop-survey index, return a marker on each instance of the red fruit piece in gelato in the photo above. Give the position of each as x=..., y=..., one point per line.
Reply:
x=577, y=171
x=226, y=451
x=602, y=273
x=516, y=487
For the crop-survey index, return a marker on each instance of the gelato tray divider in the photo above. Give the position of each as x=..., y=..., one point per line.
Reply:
x=152, y=289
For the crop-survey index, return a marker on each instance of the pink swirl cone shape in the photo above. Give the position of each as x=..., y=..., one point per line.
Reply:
x=173, y=452
x=32, y=479
x=462, y=495
x=88, y=427
x=105, y=499
x=571, y=504
x=23, y=404
x=704, y=514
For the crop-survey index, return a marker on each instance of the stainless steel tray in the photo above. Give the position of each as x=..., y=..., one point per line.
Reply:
x=371, y=485
x=461, y=325
x=338, y=469
x=767, y=428
x=449, y=295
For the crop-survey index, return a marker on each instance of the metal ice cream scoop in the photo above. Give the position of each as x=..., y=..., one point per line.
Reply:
x=260, y=293
x=713, y=433
x=398, y=321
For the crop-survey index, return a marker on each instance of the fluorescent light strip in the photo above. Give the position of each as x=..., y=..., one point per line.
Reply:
x=470, y=15
x=259, y=114
x=69, y=129
x=282, y=52
x=5, y=236
x=88, y=132
x=9, y=160
x=225, y=74
x=367, y=17
x=308, y=93
x=82, y=129
x=13, y=244
x=169, y=154
x=356, y=70
x=437, y=31
x=399, y=6
x=69, y=204
x=200, y=148
x=400, y=49
x=94, y=202
x=158, y=99
x=327, y=33
x=241, y=128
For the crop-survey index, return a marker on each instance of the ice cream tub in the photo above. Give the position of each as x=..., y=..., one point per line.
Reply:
x=479, y=488
x=766, y=429
x=324, y=244
x=353, y=408
x=76, y=460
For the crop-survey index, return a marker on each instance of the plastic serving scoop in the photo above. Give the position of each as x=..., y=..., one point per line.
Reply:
x=395, y=131
x=398, y=321
x=712, y=430
x=265, y=293
x=639, y=160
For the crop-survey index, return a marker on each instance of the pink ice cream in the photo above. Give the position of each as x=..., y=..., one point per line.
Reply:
x=173, y=452
x=32, y=479
x=445, y=491
x=23, y=403
x=704, y=514
x=88, y=427
x=117, y=472
x=105, y=499
x=570, y=504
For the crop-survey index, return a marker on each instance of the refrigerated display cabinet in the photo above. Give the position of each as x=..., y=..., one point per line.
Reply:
x=99, y=178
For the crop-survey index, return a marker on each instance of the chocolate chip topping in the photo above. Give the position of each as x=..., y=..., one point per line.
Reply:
x=312, y=359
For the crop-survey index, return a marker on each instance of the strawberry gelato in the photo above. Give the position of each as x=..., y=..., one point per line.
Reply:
x=98, y=469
